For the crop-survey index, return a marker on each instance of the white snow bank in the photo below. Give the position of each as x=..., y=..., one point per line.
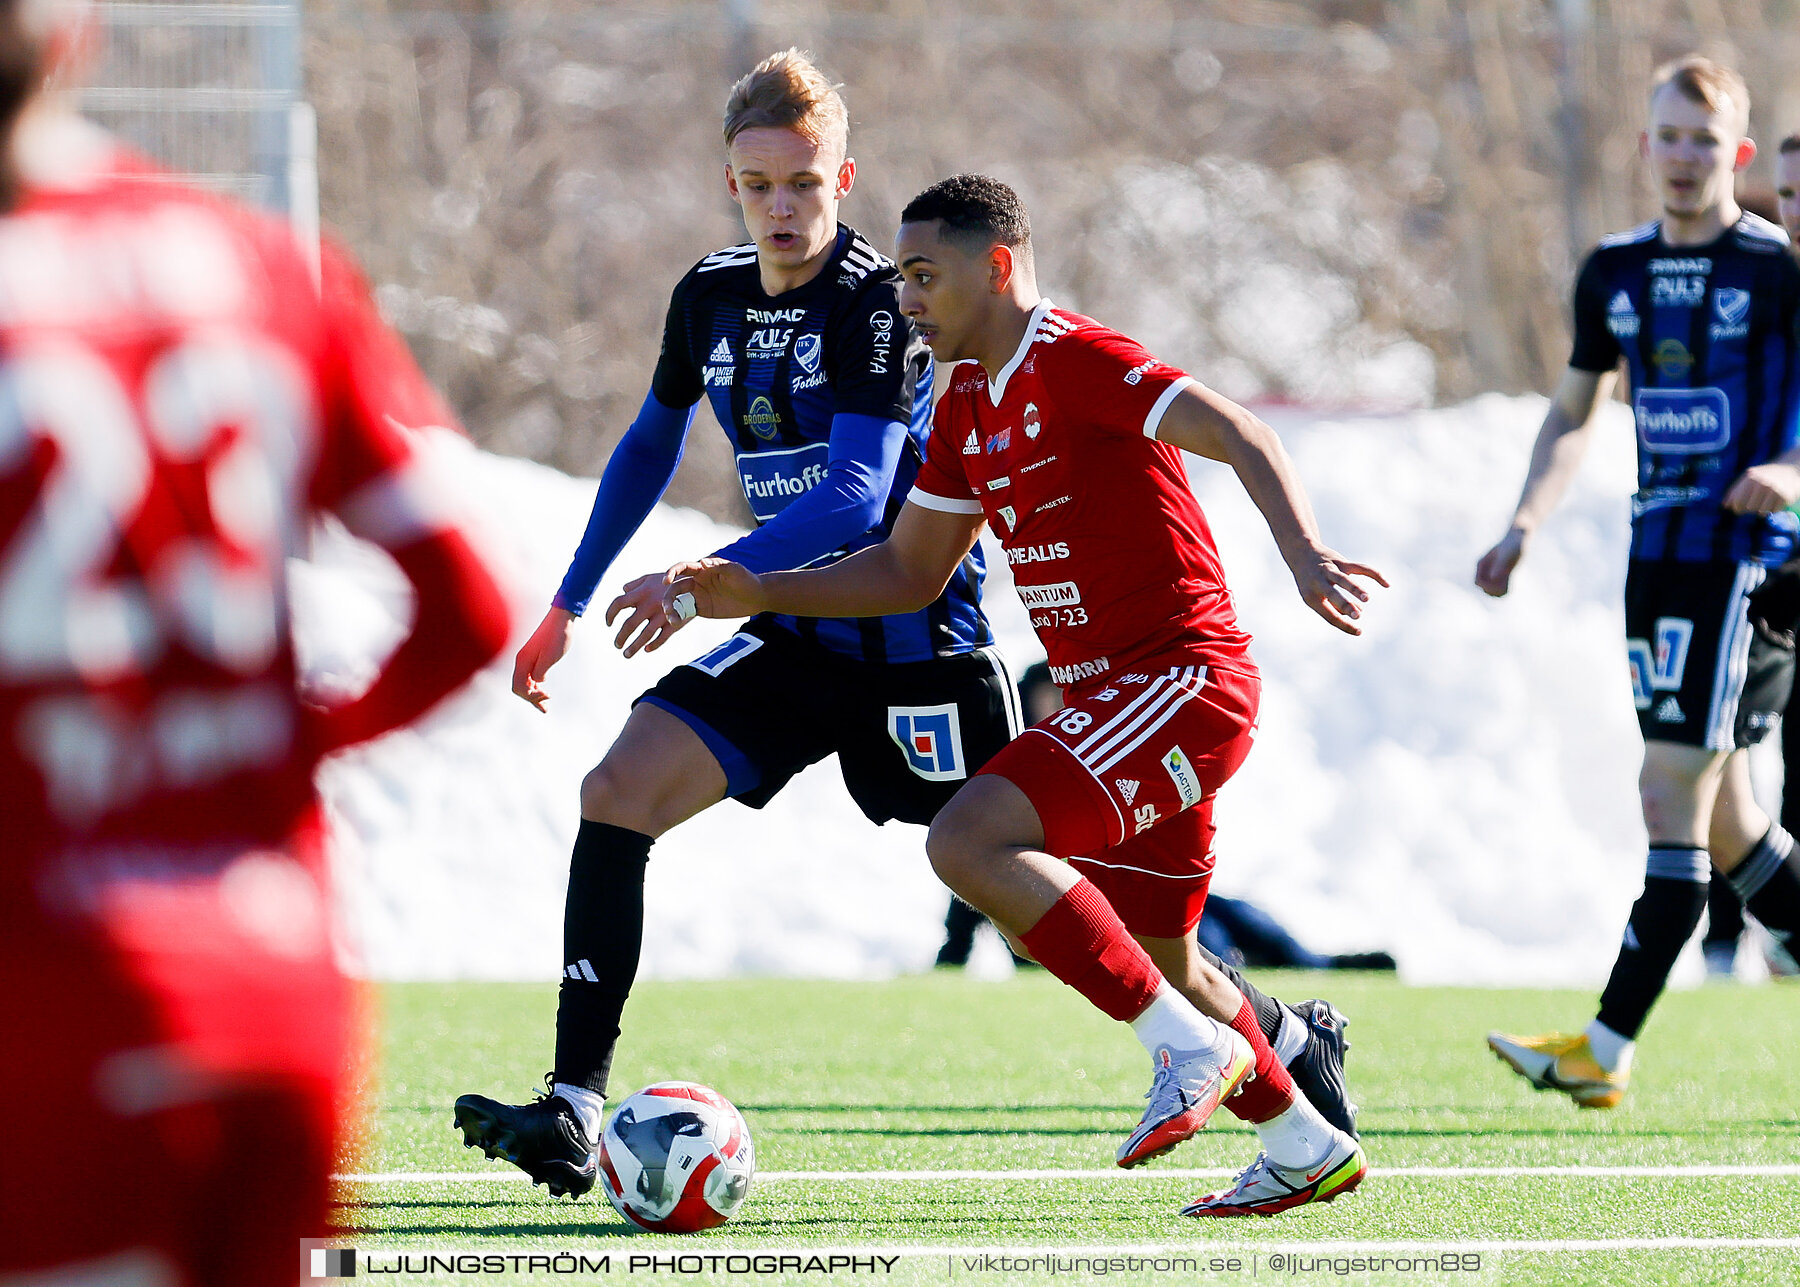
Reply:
x=1458, y=785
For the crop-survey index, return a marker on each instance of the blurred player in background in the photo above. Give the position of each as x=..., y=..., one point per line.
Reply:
x=178, y=401
x=1087, y=840
x=797, y=340
x=1702, y=305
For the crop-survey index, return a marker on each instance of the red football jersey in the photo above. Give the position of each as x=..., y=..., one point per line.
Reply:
x=177, y=399
x=1110, y=551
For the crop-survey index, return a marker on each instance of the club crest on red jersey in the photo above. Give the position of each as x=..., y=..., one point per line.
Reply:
x=1034, y=424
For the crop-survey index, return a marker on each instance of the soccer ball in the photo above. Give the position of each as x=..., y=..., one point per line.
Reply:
x=676, y=1158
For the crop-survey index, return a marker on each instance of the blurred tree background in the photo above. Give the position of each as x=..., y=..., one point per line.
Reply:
x=1345, y=204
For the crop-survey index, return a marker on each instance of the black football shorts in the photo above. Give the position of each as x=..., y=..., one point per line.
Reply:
x=907, y=735
x=1705, y=670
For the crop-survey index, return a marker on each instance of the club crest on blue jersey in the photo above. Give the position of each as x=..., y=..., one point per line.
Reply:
x=931, y=739
x=1731, y=305
x=807, y=351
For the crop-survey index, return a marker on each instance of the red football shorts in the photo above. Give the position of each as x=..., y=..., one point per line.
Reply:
x=178, y=1070
x=1123, y=778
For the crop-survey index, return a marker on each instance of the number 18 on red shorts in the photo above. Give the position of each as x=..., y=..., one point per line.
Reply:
x=1123, y=779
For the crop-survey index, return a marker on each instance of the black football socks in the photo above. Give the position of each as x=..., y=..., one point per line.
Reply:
x=1768, y=880
x=603, y=936
x=1268, y=1009
x=1662, y=920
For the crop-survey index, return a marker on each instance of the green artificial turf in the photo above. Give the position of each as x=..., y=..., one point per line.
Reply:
x=947, y=1073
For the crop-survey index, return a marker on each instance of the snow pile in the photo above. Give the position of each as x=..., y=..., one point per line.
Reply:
x=1458, y=785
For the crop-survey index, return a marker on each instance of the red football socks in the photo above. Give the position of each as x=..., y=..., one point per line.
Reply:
x=1272, y=1092
x=1082, y=941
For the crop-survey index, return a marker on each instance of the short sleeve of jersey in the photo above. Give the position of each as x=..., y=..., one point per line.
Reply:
x=874, y=358
x=1110, y=381
x=942, y=484
x=677, y=382
x=1596, y=348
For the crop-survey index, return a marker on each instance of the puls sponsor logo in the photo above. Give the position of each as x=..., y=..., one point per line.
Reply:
x=1038, y=553
x=1063, y=676
x=768, y=341
x=1677, y=292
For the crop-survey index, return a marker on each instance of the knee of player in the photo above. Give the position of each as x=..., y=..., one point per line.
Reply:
x=609, y=794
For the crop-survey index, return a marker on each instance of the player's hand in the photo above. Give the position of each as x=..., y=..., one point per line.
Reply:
x=713, y=588
x=543, y=650
x=649, y=624
x=1493, y=571
x=1764, y=489
x=1327, y=581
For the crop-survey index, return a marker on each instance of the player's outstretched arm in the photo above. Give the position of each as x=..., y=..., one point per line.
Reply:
x=547, y=645
x=636, y=476
x=1561, y=443
x=1212, y=425
x=902, y=574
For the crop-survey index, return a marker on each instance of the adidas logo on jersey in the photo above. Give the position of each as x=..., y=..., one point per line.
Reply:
x=1128, y=789
x=972, y=447
x=721, y=351
x=1670, y=712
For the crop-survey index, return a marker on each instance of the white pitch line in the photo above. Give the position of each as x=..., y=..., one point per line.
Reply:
x=1113, y=1173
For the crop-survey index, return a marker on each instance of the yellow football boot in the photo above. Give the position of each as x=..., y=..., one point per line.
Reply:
x=1562, y=1061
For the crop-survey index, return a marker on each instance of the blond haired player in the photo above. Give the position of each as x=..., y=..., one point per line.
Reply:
x=1701, y=304
x=798, y=341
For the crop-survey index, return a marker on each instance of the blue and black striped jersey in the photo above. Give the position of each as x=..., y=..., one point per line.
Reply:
x=777, y=370
x=1709, y=338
